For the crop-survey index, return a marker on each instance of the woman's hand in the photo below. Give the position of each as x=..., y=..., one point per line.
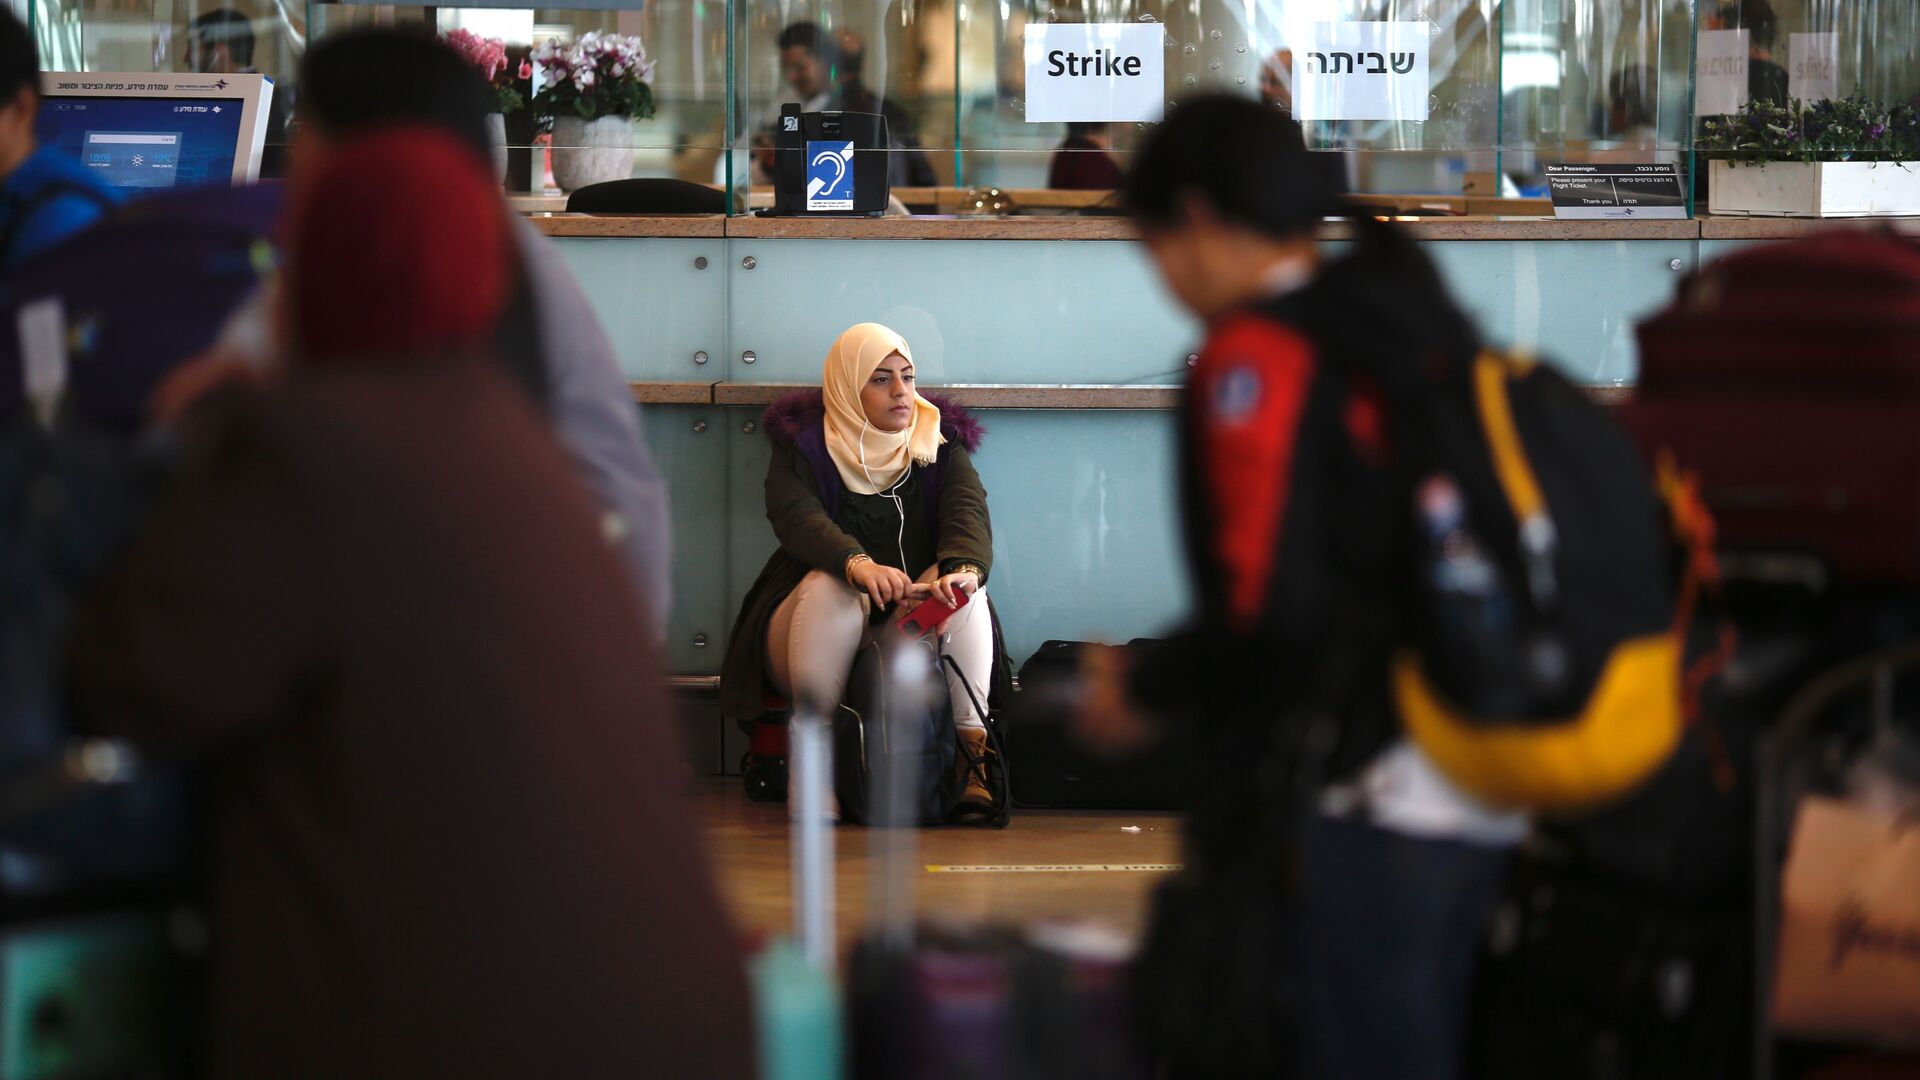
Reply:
x=947, y=588
x=883, y=584
x=1106, y=719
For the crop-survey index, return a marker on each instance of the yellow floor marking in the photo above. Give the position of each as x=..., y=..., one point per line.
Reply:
x=1059, y=868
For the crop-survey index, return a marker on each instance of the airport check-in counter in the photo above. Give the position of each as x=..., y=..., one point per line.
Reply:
x=1056, y=331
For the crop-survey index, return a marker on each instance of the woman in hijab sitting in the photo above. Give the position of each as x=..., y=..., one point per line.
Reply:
x=875, y=501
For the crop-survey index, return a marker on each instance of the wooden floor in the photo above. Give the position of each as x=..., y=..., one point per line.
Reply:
x=961, y=873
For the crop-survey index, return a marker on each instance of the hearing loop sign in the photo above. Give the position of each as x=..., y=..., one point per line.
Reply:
x=829, y=175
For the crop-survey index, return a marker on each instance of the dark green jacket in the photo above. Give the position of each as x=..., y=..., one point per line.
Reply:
x=941, y=518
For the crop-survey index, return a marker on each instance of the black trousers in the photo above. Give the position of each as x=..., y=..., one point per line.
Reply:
x=1382, y=931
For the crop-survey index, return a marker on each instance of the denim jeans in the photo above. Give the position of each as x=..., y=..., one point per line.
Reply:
x=1383, y=930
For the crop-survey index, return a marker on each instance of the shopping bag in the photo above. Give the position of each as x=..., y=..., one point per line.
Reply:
x=1849, y=959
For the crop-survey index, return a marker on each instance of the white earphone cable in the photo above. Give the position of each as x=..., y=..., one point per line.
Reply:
x=899, y=505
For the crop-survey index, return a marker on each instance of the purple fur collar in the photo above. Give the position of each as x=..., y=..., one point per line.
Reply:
x=801, y=410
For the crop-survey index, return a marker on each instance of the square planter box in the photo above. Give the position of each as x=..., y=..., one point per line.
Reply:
x=1815, y=188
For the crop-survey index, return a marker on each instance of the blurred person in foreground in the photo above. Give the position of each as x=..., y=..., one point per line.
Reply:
x=1337, y=883
x=45, y=195
x=548, y=335
x=448, y=830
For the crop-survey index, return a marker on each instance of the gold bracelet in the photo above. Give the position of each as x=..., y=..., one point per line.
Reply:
x=968, y=568
x=853, y=561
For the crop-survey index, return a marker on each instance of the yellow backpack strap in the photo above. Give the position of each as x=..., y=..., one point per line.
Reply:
x=1490, y=374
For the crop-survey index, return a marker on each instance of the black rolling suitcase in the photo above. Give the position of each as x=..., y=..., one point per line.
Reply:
x=1621, y=947
x=1056, y=771
x=1587, y=979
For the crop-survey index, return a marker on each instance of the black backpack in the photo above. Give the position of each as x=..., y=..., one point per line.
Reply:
x=897, y=719
x=1543, y=669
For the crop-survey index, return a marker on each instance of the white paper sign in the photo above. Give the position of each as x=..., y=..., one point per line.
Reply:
x=1362, y=71
x=1096, y=72
x=1815, y=71
x=1720, y=72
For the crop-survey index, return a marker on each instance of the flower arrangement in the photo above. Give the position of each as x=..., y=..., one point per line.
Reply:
x=489, y=55
x=1854, y=128
x=599, y=75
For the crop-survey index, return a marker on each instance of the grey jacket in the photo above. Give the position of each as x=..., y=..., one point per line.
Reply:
x=598, y=423
x=593, y=414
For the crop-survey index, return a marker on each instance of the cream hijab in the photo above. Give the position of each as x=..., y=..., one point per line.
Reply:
x=870, y=460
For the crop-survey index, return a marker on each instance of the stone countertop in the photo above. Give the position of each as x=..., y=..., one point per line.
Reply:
x=1066, y=228
x=1743, y=227
x=706, y=226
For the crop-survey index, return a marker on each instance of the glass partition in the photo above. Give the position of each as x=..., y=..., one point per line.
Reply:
x=1805, y=83
x=611, y=91
x=1591, y=81
x=163, y=36
x=1467, y=97
x=1427, y=106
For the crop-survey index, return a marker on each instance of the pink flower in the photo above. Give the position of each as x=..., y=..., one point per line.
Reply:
x=526, y=69
x=487, y=54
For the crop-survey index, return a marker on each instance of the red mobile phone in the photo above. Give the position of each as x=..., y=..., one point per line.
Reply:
x=930, y=615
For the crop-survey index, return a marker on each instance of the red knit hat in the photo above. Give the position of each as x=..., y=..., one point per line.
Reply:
x=399, y=247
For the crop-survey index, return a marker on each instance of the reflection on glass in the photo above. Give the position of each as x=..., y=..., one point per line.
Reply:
x=140, y=36
x=1591, y=81
x=1510, y=86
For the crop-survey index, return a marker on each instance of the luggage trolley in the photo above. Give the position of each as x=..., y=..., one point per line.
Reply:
x=1821, y=733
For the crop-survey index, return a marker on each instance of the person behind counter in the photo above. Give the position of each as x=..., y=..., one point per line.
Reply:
x=875, y=501
x=1631, y=127
x=1276, y=90
x=1085, y=161
x=1379, y=882
x=825, y=74
x=221, y=42
x=45, y=195
x=1766, y=80
x=448, y=830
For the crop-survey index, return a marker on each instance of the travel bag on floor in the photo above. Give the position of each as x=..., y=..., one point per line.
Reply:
x=897, y=713
x=1787, y=377
x=1056, y=771
x=1585, y=979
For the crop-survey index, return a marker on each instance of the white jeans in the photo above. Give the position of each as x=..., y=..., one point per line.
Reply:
x=816, y=631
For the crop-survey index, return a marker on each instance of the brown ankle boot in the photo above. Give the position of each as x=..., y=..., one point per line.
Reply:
x=976, y=795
